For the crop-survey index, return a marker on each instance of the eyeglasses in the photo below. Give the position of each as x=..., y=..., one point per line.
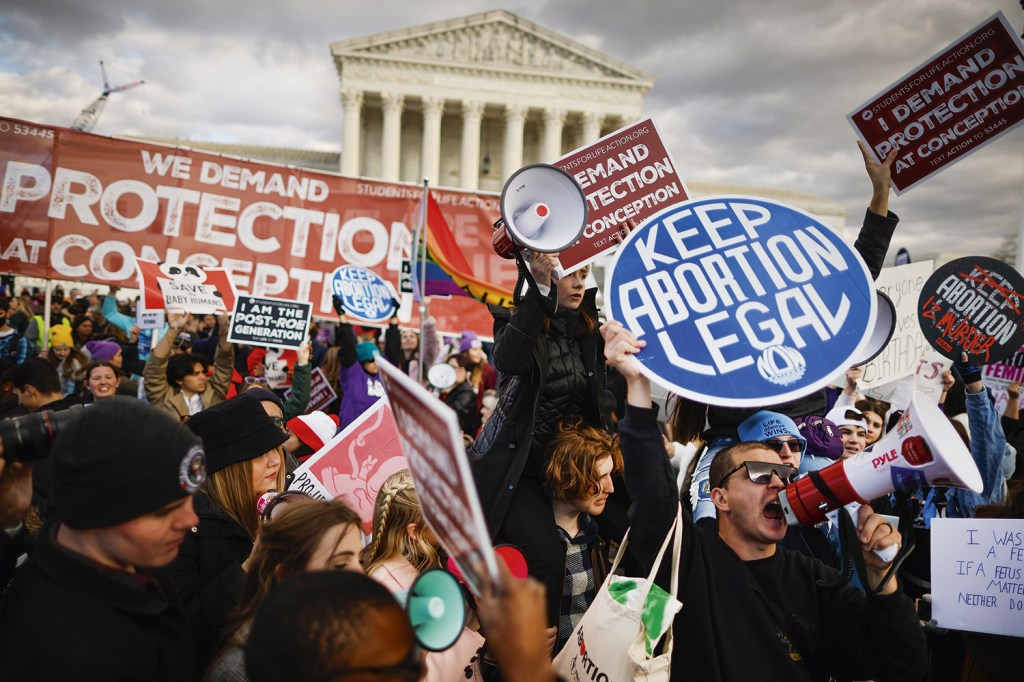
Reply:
x=262, y=381
x=794, y=445
x=854, y=414
x=268, y=510
x=761, y=472
x=411, y=669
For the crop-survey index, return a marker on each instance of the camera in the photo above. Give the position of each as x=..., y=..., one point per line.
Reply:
x=30, y=437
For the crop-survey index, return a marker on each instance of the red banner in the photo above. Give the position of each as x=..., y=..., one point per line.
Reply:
x=79, y=206
x=949, y=107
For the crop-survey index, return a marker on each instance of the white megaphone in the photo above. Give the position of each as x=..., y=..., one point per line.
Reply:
x=436, y=608
x=885, y=325
x=922, y=449
x=543, y=209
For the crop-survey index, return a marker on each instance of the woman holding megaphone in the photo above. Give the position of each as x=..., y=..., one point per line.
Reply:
x=550, y=356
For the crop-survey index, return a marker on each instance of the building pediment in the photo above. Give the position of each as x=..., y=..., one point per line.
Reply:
x=490, y=41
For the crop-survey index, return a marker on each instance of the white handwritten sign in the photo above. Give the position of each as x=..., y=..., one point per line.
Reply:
x=905, y=349
x=978, y=575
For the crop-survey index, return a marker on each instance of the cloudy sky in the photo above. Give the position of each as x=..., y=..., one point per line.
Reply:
x=750, y=92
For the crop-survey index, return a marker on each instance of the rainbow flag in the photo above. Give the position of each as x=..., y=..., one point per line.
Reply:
x=447, y=271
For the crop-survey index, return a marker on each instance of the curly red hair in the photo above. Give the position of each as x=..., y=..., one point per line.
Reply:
x=573, y=455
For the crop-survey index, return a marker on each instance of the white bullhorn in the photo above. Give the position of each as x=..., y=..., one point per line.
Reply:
x=922, y=449
x=543, y=209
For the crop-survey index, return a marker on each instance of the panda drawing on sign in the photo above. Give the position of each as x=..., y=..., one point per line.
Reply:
x=178, y=277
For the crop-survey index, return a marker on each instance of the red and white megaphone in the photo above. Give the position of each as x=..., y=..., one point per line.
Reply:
x=543, y=209
x=923, y=449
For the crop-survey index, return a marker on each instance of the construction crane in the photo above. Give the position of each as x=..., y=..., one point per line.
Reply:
x=90, y=116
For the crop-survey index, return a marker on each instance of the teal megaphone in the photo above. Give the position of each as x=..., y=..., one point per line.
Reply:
x=436, y=609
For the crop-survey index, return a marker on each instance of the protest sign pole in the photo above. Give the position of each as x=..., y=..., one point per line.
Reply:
x=422, y=244
x=46, y=313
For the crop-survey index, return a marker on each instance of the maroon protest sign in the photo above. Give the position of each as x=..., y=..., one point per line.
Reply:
x=973, y=305
x=626, y=175
x=437, y=459
x=952, y=105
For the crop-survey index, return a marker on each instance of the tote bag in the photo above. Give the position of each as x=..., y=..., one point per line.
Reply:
x=611, y=642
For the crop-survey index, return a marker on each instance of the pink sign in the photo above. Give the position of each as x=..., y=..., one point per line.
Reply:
x=355, y=463
x=949, y=107
x=626, y=175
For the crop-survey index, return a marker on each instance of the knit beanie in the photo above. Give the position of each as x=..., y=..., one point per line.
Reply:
x=764, y=425
x=102, y=350
x=315, y=429
x=235, y=430
x=60, y=335
x=121, y=459
x=366, y=351
x=469, y=340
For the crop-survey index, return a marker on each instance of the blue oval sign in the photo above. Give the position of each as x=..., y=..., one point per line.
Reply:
x=742, y=301
x=363, y=292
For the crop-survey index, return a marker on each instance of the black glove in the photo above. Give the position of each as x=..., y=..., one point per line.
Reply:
x=967, y=371
x=338, y=306
x=395, y=305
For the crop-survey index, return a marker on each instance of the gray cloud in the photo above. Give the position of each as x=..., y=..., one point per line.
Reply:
x=750, y=92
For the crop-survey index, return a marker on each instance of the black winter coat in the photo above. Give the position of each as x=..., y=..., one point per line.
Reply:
x=208, y=573
x=499, y=454
x=68, y=619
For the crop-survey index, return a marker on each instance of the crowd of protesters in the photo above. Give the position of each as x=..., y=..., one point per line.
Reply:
x=151, y=535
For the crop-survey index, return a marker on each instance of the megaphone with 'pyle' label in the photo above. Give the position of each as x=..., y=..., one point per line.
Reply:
x=922, y=449
x=543, y=209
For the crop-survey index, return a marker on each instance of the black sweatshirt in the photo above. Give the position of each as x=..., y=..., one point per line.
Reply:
x=763, y=619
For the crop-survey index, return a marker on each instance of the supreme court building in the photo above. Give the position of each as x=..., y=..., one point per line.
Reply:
x=465, y=102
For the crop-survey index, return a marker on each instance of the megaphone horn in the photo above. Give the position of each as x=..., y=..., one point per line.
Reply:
x=436, y=609
x=922, y=449
x=543, y=209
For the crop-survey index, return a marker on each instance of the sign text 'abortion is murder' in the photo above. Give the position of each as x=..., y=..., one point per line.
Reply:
x=742, y=301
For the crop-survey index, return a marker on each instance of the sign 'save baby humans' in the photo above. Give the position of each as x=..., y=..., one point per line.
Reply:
x=742, y=301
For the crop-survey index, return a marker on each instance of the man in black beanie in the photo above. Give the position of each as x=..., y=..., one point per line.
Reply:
x=90, y=602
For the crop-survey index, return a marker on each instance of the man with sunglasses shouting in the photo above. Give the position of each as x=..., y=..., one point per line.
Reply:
x=752, y=610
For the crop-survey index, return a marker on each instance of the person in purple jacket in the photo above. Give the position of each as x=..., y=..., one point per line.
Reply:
x=358, y=375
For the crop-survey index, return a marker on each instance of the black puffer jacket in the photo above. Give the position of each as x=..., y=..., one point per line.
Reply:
x=522, y=357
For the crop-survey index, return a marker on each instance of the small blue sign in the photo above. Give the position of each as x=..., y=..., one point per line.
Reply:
x=363, y=293
x=743, y=302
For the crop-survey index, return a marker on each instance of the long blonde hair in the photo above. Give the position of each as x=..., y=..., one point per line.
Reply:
x=331, y=365
x=231, y=489
x=396, y=507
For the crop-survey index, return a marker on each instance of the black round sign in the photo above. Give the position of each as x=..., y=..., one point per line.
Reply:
x=973, y=305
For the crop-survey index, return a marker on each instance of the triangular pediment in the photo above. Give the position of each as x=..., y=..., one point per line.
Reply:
x=490, y=40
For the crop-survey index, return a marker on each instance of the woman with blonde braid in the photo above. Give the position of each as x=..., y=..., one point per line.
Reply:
x=403, y=546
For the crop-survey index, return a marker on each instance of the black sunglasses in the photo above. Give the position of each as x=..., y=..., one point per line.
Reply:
x=761, y=472
x=795, y=445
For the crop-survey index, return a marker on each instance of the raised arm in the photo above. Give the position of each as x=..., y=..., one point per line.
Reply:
x=879, y=223
x=648, y=474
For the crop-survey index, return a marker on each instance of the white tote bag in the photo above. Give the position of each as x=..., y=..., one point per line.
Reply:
x=610, y=642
